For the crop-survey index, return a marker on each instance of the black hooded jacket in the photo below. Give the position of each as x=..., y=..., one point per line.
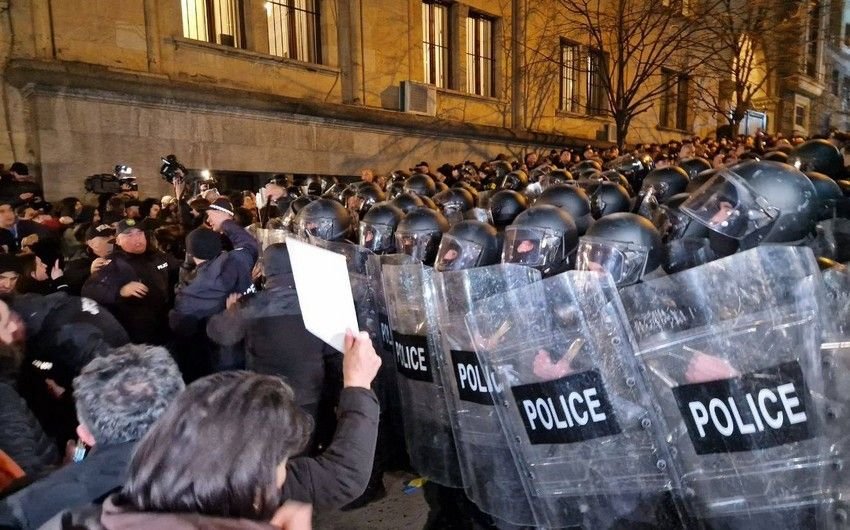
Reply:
x=270, y=323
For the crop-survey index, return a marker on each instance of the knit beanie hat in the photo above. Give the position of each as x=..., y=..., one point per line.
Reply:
x=203, y=243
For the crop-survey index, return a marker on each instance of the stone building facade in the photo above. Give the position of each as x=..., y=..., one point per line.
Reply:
x=298, y=86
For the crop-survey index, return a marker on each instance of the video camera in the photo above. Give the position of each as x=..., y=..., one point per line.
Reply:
x=120, y=180
x=169, y=168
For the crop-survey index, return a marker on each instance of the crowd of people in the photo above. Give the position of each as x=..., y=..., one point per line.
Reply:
x=156, y=371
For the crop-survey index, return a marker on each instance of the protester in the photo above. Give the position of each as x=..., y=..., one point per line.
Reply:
x=118, y=398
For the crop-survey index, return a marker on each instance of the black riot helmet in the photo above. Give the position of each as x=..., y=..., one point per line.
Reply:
x=543, y=237
x=378, y=226
x=702, y=177
x=407, y=202
x=756, y=202
x=612, y=175
x=419, y=233
x=399, y=175
x=420, y=184
x=828, y=194
x=429, y=203
x=625, y=245
x=633, y=167
x=585, y=165
x=555, y=177
x=466, y=245
x=659, y=185
x=694, y=166
x=395, y=189
x=453, y=203
x=368, y=194
x=323, y=219
x=292, y=212
x=818, y=155
x=587, y=173
x=608, y=198
x=687, y=243
x=500, y=169
x=515, y=180
x=504, y=206
x=776, y=156
x=469, y=188
x=572, y=200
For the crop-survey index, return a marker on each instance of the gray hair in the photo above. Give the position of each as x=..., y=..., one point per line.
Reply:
x=120, y=395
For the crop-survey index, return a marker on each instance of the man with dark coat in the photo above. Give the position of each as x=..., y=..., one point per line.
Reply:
x=14, y=230
x=134, y=286
x=270, y=323
x=118, y=398
x=218, y=274
x=100, y=241
x=63, y=334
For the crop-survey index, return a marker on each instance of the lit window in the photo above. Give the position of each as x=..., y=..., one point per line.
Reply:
x=216, y=21
x=596, y=93
x=480, y=56
x=674, y=100
x=569, y=77
x=294, y=29
x=435, y=43
x=800, y=116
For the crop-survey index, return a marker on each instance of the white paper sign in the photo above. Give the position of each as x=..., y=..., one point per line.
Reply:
x=324, y=292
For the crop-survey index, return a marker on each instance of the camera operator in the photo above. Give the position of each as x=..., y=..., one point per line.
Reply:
x=134, y=286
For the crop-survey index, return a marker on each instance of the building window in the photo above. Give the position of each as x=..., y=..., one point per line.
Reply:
x=294, y=29
x=569, y=77
x=800, y=116
x=435, y=45
x=847, y=34
x=834, y=83
x=674, y=100
x=480, y=56
x=596, y=93
x=810, y=66
x=216, y=21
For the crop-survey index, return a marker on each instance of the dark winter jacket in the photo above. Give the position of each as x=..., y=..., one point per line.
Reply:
x=276, y=341
x=21, y=436
x=146, y=318
x=67, y=332
x=214, y=280
x=328, y=481
x=11, y=238
x=64, y=333
x=103, y=471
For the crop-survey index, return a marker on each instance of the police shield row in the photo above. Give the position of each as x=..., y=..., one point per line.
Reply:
x=713, y=397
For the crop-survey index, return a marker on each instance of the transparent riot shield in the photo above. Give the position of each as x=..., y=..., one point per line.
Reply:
x=266, y=236
x=835, y=352
x=490, y=476
x=411, y=304
x=575, y=412
x=731, y=353
x=391, y=427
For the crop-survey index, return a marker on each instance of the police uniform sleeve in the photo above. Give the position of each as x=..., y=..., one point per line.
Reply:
x=104, y=286
x=341, y=473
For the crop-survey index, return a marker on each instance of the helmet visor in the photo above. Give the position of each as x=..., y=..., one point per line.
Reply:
x=532, y=247
x=377, y=238
x=418, y=245
x=730, y=206
x=317, y=228
x=453, y=212
x=457, y=254
x=648, y=202
x=674, y=223
x=625, y=262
